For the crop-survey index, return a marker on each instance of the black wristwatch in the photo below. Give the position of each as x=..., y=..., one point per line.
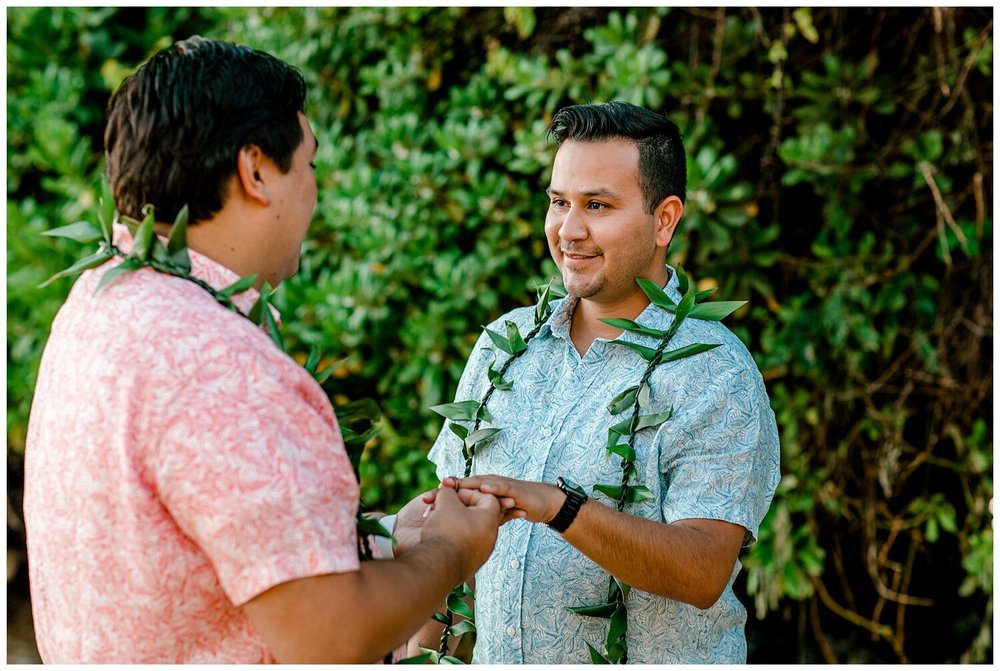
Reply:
x=574, y=499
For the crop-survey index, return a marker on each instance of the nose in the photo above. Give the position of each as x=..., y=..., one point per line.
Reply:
x=573, y=226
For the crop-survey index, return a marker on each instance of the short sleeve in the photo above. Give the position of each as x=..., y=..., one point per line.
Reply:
x=252, y=468
x=719, y=454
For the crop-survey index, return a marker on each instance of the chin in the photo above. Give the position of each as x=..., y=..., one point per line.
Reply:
x=581, y=289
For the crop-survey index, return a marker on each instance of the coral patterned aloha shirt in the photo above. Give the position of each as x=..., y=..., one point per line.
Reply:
x=177, y=465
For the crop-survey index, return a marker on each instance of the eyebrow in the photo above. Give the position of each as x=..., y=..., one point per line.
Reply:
x=598, y=193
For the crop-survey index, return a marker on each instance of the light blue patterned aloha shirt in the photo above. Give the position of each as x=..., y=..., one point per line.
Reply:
x=716, y=458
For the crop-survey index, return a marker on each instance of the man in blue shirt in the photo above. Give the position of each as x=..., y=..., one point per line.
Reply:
x=616, y=197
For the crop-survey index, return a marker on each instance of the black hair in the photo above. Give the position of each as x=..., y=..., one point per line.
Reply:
x=176, y=126
x=662, y=166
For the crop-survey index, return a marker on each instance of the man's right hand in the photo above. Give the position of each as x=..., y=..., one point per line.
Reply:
x=471, y=529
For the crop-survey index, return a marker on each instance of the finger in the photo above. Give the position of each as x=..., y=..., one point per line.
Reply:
x=451, y=482
x=506, y=502
x=479, y=500
x=469, y=496
x=447, y=498
x=428, y=497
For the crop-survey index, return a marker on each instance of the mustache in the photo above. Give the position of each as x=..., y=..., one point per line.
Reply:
x=570, y=249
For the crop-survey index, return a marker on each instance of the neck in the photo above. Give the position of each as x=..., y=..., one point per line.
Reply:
x=587, y=325
x=218, y=239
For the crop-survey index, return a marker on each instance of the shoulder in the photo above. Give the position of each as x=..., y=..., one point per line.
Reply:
x=727, y=368
x=167, y=328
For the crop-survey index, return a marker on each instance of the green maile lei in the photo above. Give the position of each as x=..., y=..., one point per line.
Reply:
x=358, y=420
x=621, y=436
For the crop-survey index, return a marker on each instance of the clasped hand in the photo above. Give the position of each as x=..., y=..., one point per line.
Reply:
x=519, y=499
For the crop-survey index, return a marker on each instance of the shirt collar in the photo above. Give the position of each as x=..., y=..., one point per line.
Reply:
x=205, y=269
x=558, y=325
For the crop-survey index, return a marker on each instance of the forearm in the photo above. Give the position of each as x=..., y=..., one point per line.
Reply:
x=685, y=561
x=356, y=617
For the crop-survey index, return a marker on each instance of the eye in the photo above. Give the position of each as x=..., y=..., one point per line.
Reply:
x=559, y=202
x=594, y=205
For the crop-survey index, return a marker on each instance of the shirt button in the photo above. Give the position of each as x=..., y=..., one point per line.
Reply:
x=511, y=631
x=514, y=564
x=546, y=432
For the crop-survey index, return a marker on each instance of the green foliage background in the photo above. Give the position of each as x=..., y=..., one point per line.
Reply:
x=840, y=178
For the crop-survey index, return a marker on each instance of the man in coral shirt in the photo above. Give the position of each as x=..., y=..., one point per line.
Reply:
x=188, y=497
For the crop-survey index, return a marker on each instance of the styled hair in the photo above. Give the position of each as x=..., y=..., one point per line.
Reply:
x=662, y=164
x=176, y=126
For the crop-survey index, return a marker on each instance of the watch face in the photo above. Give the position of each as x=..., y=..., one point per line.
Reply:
x=569, y=484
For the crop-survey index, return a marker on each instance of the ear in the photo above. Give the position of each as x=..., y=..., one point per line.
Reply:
x=248, y=171
x=668, y=214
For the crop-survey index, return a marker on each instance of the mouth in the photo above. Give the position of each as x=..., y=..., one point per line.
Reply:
x=577, y=256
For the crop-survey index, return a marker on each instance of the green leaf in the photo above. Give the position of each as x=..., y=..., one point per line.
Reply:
x=596, y=657
x=272, y=328
x=81, y=231
x=239, y=286
x=143, y=241
x=313, y=360
x=448, y=659
x=623, y=401
x=633, y=327
x=611, y=491
x=177, y=243
x=458, y=430
x=716, y=311
x=683, y=310
x=459, y=607
x=619, y=623
x=499, y=341
x=637, y=493
x=464, y=590
x=372, y=527
x=623, y=450
x=686, y=351
x=323, y=375
x=461, y=411
x=597, y=610
x=702, y=295
x=462, y=628
x=647, y=421
x=433, y=655
x=633, y=493
x=416, y=659
x=646, y=353
x=517, y=343
x=645, y=396
x=480, y=437
x=616, y=651
x=441, y=617
x=656, y=295
x=542, y=309
x=106, y=212
x=92, y=261
x=625, y=588
x=496, y=379
x=109, y=276
x=682, y=281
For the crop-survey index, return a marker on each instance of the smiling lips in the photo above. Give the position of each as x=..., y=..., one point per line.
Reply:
x=579, y=256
